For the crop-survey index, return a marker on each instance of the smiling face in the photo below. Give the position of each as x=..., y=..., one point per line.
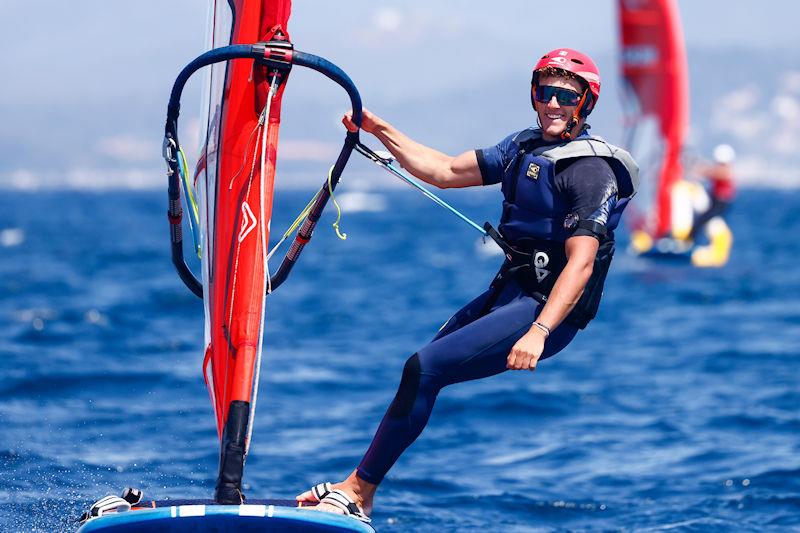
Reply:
x=554, y=116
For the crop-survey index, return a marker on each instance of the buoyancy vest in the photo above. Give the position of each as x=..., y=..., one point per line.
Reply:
x=723, y=187
x=536, y=220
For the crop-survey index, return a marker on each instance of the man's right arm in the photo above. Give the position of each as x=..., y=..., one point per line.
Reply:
x=423, y=162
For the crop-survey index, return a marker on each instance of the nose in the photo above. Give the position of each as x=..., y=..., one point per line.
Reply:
x=553, y=102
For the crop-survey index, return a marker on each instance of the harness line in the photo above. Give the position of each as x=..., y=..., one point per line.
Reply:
x=387, y=164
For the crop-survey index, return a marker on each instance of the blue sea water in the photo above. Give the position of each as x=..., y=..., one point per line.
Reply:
x=677, y=409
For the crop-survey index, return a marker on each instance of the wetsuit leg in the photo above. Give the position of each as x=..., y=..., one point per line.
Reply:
x=469, y=313
x=477, y=348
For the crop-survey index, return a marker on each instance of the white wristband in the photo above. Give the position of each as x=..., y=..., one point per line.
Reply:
x=543, y=328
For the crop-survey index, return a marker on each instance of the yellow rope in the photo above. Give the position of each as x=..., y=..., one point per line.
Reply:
x=339, y=234
x=190, y=192
x=185, y=172
x=303, y=214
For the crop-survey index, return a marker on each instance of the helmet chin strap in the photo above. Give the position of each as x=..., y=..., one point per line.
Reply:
x=573, y=121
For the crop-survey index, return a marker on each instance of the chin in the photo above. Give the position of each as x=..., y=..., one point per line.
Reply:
x=554, y=130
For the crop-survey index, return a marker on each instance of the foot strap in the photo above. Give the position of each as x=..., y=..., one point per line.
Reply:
x=132, y=495
x=340, y=499
x=105, y=505
x=321, y=490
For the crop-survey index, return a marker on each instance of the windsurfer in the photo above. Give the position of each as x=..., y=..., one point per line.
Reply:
x=564, y=192
x=721, y=185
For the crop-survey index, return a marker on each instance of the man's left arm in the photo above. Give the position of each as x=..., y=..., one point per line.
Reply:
x=581, y=251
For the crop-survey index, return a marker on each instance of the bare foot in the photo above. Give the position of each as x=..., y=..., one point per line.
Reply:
x=359, y=490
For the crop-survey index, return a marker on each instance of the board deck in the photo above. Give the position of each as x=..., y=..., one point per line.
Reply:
x=202, y=516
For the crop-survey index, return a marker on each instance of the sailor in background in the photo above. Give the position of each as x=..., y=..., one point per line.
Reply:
x=564, y=192
x=710, y=198
x=721, y=186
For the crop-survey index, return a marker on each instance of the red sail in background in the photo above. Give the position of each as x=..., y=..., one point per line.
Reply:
x=655, y=68
x=230, y=184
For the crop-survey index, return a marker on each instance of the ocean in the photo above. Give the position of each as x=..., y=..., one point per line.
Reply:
x=677, y=409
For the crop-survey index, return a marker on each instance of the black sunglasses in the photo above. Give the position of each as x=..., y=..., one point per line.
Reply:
x=544, y=93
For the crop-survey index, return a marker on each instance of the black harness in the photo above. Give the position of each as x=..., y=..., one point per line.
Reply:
x=527, y=267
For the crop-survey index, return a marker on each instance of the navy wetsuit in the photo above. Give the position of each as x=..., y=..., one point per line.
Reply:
x=476, y=341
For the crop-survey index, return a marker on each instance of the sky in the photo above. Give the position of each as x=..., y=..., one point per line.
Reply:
x=75, y=42
x=90, y=78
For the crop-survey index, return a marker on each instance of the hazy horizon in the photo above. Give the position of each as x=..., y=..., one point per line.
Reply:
x=84, y=106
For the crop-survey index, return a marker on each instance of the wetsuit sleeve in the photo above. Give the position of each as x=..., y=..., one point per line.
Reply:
x=590, y=188
x=492, y=161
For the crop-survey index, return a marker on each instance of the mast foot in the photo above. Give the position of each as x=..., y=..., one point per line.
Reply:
x=232, y=455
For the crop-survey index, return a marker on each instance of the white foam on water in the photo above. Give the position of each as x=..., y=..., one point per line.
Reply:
x=11, y=237
x=361, y=202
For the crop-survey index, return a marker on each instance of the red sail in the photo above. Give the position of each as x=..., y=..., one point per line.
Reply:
x=230, y=181
x=655, y=69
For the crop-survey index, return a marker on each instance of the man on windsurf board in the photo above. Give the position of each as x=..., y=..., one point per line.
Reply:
x=564, y=192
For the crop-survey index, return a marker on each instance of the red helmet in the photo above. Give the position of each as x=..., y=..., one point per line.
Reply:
x=576, y=62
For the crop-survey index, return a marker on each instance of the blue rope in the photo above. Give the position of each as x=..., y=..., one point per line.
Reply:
x=390, y=167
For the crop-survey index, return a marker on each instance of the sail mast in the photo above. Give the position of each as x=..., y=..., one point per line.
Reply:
x=250, y=58
x=238, y=180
